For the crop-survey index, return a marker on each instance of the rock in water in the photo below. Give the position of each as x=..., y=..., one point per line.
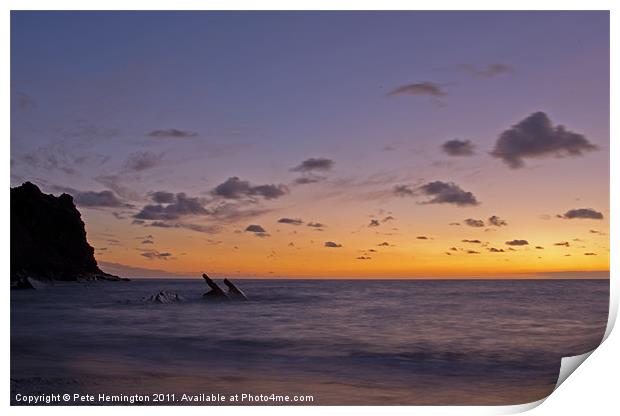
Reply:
x=215, y=293
x=165, y=297
x=234, y=292
x=48, y=239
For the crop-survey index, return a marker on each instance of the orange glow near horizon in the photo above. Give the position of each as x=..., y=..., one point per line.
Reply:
x=300, y=252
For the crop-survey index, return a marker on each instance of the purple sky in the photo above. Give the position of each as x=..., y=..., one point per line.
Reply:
x=112, y=107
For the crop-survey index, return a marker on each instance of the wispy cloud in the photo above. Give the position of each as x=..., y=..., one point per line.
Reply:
x=421, y=88
x=489, y=71
x=172, y=133
x=473, y=222
x=101, y=199
x=496, y=221
x=314, y=164
x=156, y=255
x=458, y=148
x=141, y=161
x=374, y=223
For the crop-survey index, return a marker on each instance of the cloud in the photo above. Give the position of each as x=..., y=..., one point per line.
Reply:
x=458, y=148
x=331, y=244
x=539, y=248
x=497, y=221
x=314, y=164
x=374, y=223
x=141, y=161
x=162, y=197
x=496, y=250
x=147, y=241
x=47, y=158
x=422, y=88
x=156, y=255
x=494, y=70
x=181, y=206
x=315, y=225
x=206, y=229
x=589, y=254
x=291, y=221
x=474, y=223
x=159, y=224
x=308, y=179
x=231, y=212
x=384, y=244
x=174, y=133
x=422, y=237
x=536, y=136
x=253, y=228
x=363, y=258
x=489, y=71
x=563, y=244
x=585, y=213
x=257, y=230
x=388, y=218
x=118, y=184
x=103, y=199
x=448, y=193
x=234, y=188
x=403, y=190
x=472, y=241
x=517, y=243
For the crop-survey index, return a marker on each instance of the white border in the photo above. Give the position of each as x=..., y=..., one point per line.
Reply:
x=592, y=390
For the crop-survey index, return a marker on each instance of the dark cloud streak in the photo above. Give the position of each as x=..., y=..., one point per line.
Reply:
x=421, y=88
x=458, y=148
x=172, y=133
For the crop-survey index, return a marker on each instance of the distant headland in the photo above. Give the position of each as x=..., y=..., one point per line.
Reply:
x=48, y=240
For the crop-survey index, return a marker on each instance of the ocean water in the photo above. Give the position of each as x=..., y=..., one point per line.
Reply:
x=380, y=342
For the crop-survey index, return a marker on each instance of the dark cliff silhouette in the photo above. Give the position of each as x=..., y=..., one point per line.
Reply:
x=48, y=239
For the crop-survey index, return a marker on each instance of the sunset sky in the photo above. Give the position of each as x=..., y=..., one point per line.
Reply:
x=321, y=144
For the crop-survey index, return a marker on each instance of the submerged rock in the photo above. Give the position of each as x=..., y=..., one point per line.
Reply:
x=165, y=297
x=234, y=292
x=215, y=293
x=22, y=283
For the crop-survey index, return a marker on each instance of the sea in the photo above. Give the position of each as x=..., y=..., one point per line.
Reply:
x=315, y=342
